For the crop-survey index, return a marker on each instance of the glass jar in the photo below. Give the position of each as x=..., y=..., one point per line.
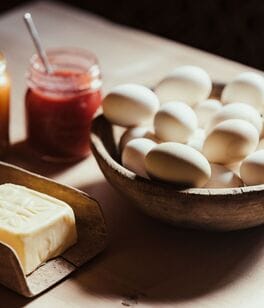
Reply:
x=60, y=105
x=4, y=106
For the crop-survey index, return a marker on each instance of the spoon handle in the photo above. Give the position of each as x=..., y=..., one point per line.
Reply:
x=36, y=40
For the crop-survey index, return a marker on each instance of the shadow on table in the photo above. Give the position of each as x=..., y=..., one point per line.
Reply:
x=11, y=299
x=21, y=155
x=150, y=261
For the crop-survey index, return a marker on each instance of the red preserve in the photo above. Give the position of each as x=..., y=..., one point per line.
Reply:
x=61, y=105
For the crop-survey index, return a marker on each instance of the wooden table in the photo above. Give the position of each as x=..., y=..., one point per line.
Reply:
x=147, y=264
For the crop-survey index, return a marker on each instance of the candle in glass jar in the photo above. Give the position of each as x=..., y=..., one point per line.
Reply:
x=4, y=106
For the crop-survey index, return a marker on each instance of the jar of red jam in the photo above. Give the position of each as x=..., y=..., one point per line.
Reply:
x=60, y=105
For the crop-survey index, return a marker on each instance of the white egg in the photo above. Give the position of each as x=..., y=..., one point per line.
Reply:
x=205, y=110
x=196, y=141
x=248, y=88
x=137, y=132
x=230, y=141
x=190, y=84
x=237, y=111
x=252, y=169
x=175, y=121
x=178, y=163
x=130, y=105
x=133, y=155
x=222, y=177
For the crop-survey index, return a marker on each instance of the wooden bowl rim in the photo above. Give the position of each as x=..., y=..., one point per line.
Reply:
x=101, y=150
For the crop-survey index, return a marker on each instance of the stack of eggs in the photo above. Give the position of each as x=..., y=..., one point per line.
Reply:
x=177, y=134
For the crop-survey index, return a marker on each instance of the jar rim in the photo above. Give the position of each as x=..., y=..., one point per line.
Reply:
x=81, y=63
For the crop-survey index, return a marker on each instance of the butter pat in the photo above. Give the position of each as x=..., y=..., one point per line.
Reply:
x=38, y=227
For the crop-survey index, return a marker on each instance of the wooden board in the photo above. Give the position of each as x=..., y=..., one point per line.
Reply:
x=147, y=264
x=91, y=231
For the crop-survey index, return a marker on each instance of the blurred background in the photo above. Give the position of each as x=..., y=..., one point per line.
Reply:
x=232, y=29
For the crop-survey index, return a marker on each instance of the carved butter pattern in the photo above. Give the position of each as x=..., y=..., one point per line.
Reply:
x=16, y=214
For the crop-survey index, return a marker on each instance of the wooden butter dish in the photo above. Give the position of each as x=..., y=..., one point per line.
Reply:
x=91, y=230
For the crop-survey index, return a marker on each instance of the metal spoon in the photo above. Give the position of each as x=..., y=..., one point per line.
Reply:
x=36, y=40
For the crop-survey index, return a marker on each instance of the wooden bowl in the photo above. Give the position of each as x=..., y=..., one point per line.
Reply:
x=212, y=209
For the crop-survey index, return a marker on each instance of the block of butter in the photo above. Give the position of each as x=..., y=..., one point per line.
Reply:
x=38, y=227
